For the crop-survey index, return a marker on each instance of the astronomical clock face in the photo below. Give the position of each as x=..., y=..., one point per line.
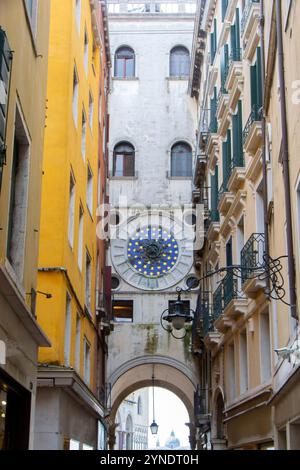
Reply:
x=152, y=255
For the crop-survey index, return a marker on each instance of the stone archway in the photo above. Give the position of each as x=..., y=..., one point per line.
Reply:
x=137, y=374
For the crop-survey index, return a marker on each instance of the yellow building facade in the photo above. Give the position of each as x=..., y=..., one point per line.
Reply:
x=68, y=253
x=245, y=312
x=23, y=80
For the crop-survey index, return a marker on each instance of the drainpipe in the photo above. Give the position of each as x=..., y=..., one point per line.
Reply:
x=285, y=165
x=264, y=159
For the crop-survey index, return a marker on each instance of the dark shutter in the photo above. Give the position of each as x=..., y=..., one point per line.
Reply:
x=224, y=66
x=224, y=8
x=259, y=79
x=5, y=70
x=214, y=196
x=253, y=75
x=226, y=160
x=229, y=259
x=237, y=128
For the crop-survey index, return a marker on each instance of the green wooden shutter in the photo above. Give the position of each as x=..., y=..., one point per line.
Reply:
x=237, y=128
x=253, y=75
x=224, y=8
x=214, y=196
x=235, y=38
x=226, y=160
x=224, y=66
x=215, y=36
x=213, y=42
x=211, y=48
x=258, y=78
x=238, y=35
x=213, y=112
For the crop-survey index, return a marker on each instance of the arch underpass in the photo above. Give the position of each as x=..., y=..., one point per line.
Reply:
x=137, y=373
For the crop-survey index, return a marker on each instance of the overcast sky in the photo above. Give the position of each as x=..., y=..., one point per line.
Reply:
x=170, y=414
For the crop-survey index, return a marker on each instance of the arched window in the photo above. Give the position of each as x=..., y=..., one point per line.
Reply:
x=124, y=156
x=139, y=406
x=181, y=159
x=124, y=62
x=179, y=62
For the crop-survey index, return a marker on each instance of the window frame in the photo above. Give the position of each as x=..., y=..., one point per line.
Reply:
x=128, y=154
x=179, y=64
x=125, y=75
x=127, y=320
x=188, y=170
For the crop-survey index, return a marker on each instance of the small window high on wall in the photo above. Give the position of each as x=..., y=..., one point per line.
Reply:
x=179, y=62
x=123, y=311
x=181, y=160
x=125, y=62
x=124, y=156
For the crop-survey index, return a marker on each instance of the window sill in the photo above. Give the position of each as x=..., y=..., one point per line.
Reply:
x=126, y=79
x=179, y=177
x=129, y=178
x=177, y=78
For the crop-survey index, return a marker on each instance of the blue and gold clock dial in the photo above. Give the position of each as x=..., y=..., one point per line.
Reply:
x=153, y=251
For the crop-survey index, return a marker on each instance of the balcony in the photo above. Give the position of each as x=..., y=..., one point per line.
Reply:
x=235, y=79
x=253, y=265
x=224, y=123
x=230, y=11
x=222, y=100
x=238, y=173
x=235, y=303
x=234, y=213
x=214, y=252
x=254, y=167
x=212, y=144
x=213, y=225
x=226, y=198
x=250, y=28
x=220, y=320
x=252, y=134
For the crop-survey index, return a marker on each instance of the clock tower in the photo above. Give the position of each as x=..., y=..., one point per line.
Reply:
x=151, y=152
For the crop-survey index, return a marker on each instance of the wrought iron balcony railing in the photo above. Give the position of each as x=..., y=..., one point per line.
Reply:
x=246, y=13
x=252, y=256
x=255, y=116
x=231, y=289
